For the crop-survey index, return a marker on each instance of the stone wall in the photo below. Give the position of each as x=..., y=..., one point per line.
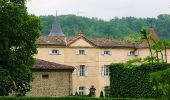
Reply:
x=58, y=83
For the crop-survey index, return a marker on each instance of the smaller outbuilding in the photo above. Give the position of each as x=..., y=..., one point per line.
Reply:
x=51, y=79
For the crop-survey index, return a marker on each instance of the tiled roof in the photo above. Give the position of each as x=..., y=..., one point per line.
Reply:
x=51, y=40
x=98, y=42
x=64, y=41
x=46, y=65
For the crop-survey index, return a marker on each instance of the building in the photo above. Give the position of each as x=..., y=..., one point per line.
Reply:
x=51, y=79
x=90, y=57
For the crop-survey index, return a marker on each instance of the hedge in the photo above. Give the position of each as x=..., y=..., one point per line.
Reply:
x=64, y=98
x=133, y=82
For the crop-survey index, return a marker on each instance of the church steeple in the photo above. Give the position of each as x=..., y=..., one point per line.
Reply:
x=56, y=28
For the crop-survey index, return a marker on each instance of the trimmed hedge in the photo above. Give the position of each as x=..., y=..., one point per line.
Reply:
x=64, y=98
x=133, y=82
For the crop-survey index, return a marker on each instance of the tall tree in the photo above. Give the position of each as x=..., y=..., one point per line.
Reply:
x=18, y=32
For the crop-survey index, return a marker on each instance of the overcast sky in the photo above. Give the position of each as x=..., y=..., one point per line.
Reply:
x=104, y=9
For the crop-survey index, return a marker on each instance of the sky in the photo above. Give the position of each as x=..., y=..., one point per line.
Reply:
x=103, y=9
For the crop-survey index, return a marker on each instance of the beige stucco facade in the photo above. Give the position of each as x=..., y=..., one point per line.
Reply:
x=93, y=59
x=58, y=83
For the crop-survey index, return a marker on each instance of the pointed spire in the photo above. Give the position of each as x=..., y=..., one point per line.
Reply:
x=56, y=28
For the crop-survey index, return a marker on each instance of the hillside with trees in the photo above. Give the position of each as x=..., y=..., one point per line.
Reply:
x=119, y=28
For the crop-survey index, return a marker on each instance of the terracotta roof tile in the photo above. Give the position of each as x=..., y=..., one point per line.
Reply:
x=62, y=41
x=46, y=65
x=51, y=40
x=99, y=42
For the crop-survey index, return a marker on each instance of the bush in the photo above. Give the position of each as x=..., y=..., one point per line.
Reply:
x=62, y=98
x=133, y=82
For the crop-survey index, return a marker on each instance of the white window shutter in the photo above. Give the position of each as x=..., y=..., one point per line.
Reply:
x=102, y=70
x=77, y=89
x=128, y=53
x=102, y=52
x=59, y=52
x=87, y=90
x=77, y=52
x=136, y=53
x=110, y=53
x=86, y=71
x=78, y=71
x=50, y=52
x=103, y=91
x=85, y=52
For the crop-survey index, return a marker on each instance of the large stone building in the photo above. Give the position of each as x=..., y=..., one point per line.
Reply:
x=90, y=57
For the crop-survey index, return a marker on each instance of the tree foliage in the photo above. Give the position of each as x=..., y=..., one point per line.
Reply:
x=18, y=32
x=116, y=27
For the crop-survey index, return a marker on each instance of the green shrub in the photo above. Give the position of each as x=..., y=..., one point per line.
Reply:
x=63, y=98
x=133, y=82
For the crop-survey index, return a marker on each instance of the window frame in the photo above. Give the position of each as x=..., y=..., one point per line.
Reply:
x=81, y=52
x=106, y=70
x=82, y=70
x=54, y=52
x=45, y=76
x=107, y=52
x=82, y=90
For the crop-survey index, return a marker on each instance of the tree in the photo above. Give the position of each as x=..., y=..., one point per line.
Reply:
x=146, y=35
x=92, y=91
x=18, y=32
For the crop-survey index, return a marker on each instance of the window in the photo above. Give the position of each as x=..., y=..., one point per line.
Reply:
x=82, y=70
x=133, y=53
x=81, y=91
x=54, y=52
x=106, y=52
x=105, y=70
x=81, y=52
x=45, y=76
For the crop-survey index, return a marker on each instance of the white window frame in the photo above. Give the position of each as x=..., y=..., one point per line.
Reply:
x=82, y=70
x=82, y=90
x=81, y=52
x=106, y=52
x=54, y=52
x=133, y=53
x=105, y=70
